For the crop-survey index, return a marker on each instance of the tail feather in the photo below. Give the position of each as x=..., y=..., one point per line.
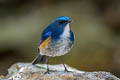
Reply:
x=39, y=58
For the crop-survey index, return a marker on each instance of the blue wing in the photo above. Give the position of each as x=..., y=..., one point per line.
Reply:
x=45, y=34
x=44, y=37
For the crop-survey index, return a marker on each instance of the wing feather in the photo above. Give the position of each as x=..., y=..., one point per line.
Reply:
x=45, y=42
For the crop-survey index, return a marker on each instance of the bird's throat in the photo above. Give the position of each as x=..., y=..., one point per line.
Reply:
x=66, y=32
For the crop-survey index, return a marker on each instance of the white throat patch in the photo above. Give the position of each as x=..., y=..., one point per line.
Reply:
x=66, y=32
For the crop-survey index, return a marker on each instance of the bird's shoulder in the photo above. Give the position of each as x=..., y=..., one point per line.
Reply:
x=46, y=32
x=45, y=36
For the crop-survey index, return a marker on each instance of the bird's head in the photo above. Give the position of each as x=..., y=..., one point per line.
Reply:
x=58, y=27
x=62, y=20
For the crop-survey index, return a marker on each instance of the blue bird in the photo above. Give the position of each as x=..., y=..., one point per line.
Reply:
x=57, y=39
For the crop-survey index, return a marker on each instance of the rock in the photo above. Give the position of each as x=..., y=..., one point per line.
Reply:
x=26, y=71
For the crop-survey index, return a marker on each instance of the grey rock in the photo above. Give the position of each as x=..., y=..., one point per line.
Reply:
x=26, y=71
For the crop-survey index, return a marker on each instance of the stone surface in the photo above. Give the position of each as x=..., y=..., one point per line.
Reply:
x=26, y=71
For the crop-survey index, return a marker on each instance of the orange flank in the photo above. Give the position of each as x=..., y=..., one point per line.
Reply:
x=44, y=42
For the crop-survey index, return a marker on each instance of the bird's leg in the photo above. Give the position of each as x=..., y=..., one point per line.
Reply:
x=47, y=62
x=60, y=59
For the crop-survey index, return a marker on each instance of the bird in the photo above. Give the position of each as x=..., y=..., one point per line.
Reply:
x=56, y=40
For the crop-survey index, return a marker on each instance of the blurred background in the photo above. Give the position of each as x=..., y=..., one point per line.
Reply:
x=96, y=24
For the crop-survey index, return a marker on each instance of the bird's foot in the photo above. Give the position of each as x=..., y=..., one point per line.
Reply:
x=67, y=71
x=47, y=72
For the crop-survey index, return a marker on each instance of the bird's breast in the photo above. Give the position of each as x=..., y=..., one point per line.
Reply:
x=58, y=48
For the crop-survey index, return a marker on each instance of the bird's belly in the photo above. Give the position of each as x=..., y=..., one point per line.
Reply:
x=58, y=48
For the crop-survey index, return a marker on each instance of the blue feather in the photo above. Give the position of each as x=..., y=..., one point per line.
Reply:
x=62, y=18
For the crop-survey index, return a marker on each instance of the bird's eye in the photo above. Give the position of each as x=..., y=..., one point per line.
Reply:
x=61, y=22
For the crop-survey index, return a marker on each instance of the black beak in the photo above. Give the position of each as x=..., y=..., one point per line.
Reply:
x=69, y=21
